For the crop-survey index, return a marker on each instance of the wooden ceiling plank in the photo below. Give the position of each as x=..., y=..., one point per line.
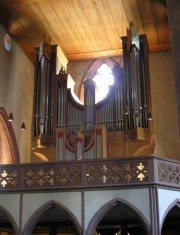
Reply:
x=148, y=21
x=133, y=15
x=82, y=28
x=18, y=2
x=87, y=27
x=160, y=47
x=89, y=9
x=94, y=55
x=46, y=23
x=161, y=19
x=20, y=29
x=120, y=18
x=73, y=39
x=108, y=24
x=28, y=25
x=111, y=53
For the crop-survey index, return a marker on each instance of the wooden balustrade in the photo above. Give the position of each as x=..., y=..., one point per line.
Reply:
x=69, y=175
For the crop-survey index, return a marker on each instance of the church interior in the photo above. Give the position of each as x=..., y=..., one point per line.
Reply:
x=89, y=117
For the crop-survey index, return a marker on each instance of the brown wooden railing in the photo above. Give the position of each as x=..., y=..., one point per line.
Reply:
x=68, y=175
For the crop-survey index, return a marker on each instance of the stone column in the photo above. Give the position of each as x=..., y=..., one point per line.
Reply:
x=173, y=9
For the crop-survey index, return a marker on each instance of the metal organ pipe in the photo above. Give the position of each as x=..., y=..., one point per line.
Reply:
x=47, y=101
x=43, y=76
x=37, y=97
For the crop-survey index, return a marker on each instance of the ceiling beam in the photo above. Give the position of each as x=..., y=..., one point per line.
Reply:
x=93, y=55
x=111, y=53
x=19, y=2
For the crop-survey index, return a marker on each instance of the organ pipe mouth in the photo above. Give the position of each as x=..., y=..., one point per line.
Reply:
x=149, y=116
x=126, y=110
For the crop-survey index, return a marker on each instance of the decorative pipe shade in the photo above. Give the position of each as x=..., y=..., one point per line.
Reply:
x=10, y=117
x=23, y=126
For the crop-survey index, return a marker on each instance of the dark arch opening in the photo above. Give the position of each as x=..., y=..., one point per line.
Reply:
x=171, y=220
x=7, y=223
x=52, y=218
x=118, y=216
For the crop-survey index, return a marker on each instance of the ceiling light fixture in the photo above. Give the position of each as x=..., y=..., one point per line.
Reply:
x=11, y=117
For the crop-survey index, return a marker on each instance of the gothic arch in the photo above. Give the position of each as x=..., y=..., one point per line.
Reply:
x=9, y=153
x=10, y=219
x=88, y=74
x=176, y=202
x=29, y=226
x=104, y=210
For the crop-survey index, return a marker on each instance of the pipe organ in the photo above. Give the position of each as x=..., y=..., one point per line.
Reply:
x=117, y=126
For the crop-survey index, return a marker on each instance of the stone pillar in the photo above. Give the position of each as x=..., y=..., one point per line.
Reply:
x=173, y=9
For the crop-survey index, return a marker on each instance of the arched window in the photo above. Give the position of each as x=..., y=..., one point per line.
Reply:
x=99, y=69
x=103, y=79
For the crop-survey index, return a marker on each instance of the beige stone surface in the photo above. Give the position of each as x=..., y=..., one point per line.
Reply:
x=16, y=93
x=164, y=106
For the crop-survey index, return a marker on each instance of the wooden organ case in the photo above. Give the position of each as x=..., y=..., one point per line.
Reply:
x=118, y=126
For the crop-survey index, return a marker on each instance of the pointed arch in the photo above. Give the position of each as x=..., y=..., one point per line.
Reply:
x=9, y=153
x=88, y=74
x=109, y=205
x=176, y=202
x=11, y=220
x=31, y=223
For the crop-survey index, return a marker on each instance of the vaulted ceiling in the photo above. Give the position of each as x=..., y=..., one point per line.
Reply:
x=84, y=29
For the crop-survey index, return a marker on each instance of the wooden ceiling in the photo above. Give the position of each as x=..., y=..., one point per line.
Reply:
x=84, y=29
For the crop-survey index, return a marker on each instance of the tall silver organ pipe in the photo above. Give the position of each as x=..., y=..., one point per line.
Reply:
x=52, y=91
x=89, y=104
x=105, y=114
x=44, y=93
x=137, y=84
x=118, y=97
x=70, y=113
x=37, y=95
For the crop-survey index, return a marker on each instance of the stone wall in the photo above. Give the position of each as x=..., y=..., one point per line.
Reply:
x=164, y=106
x=16, y=93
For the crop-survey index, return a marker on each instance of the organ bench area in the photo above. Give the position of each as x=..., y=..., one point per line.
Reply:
x=119, y=125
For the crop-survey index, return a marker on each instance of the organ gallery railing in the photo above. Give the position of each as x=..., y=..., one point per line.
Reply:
x=68, y=175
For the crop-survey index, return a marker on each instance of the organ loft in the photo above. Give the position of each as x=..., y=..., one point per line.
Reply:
x=120, y=125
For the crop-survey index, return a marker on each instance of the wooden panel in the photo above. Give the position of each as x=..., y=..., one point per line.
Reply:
x=84, y=29
x=94, y=23
x=105, y=16
x=119, y=16
x=161, y=21
x=148, y=21
x=18, y=2
x=50, y=24
x=79, y=17
x=76, y=44
x=132, y=11
x=94, y=55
